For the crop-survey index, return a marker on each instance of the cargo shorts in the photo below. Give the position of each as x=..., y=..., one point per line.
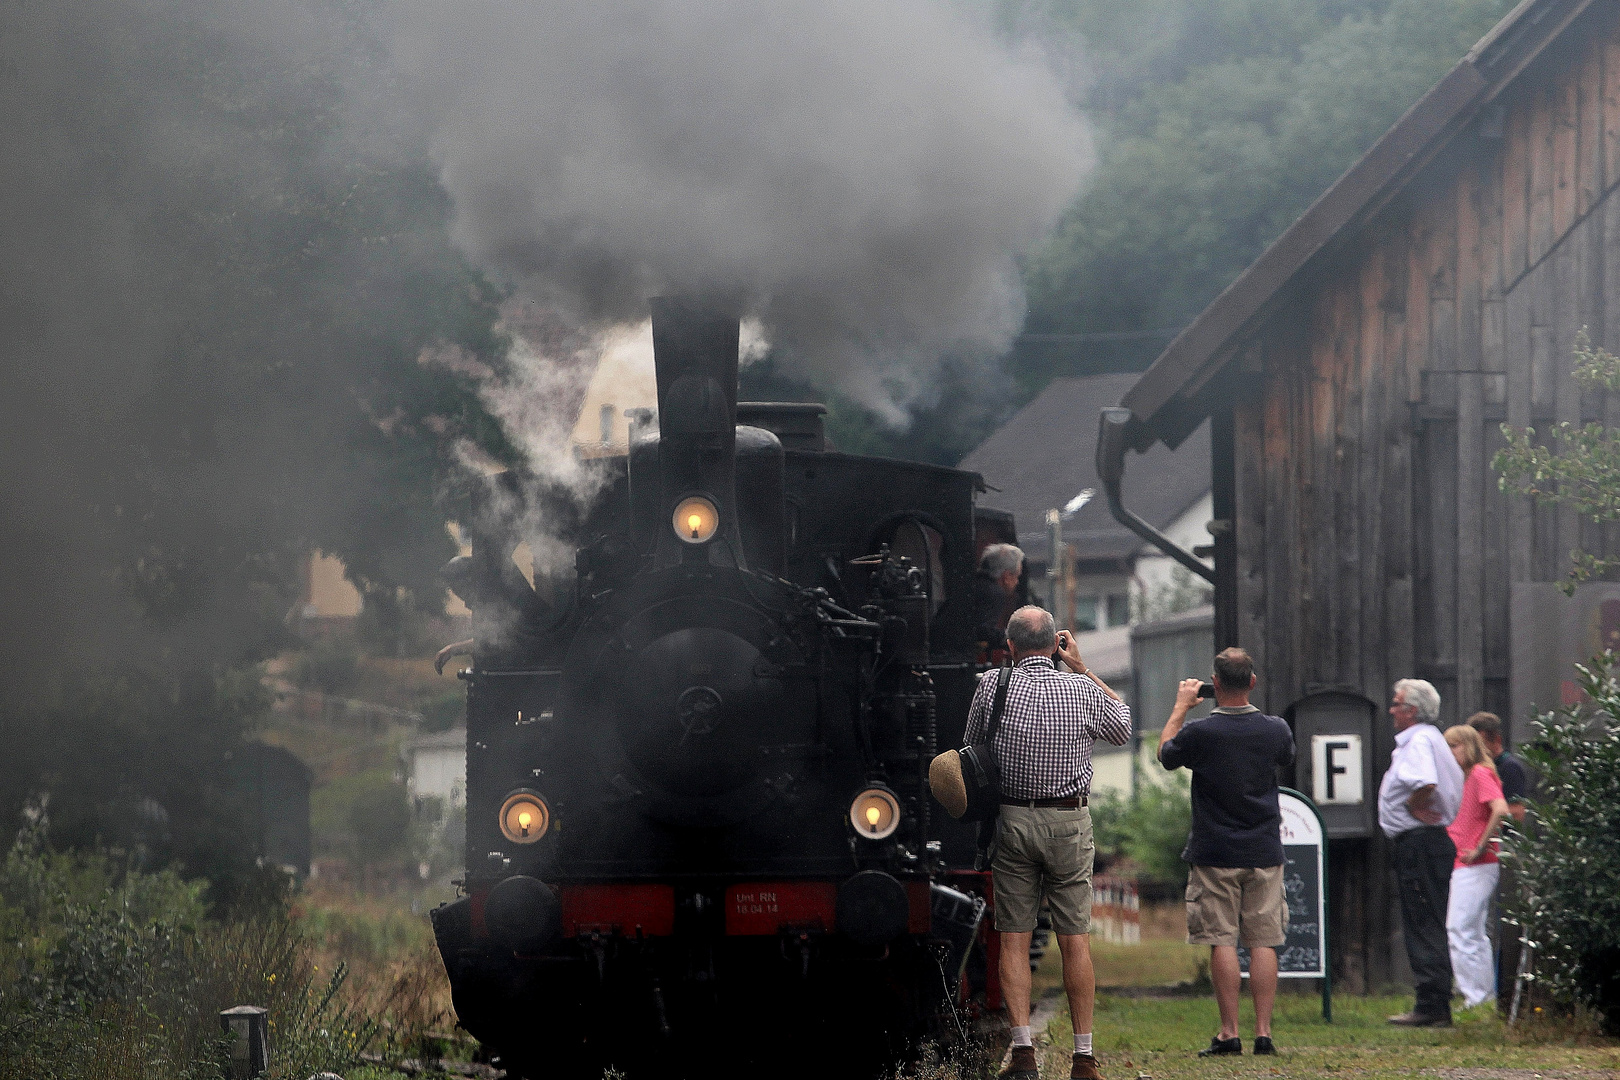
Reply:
x=1231, y=905
x=1043, y=852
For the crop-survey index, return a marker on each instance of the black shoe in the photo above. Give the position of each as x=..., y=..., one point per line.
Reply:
x=1263, y=1045
x=1417, y=1019
x=1219, y=1047
x=1024, y=1065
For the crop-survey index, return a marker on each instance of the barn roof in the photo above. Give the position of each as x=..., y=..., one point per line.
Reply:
x=1046, y=455
x=1169, y=400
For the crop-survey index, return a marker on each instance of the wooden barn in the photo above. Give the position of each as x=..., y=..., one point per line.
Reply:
x=1356, y=376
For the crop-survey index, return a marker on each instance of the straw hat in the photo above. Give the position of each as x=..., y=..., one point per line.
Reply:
x=945, y=780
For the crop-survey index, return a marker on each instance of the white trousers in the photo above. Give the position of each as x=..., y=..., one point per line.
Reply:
x=1468, y=915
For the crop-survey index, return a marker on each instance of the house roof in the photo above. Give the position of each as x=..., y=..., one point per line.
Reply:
x=1046, y=454
x=1169, y=400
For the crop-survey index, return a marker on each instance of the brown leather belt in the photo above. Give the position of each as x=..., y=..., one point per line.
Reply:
x=1073, y=802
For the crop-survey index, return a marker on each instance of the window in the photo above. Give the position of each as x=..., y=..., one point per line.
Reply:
x=1085, y=613
x=1119, y=609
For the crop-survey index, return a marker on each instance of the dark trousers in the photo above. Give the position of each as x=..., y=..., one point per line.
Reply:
x=1423, y=859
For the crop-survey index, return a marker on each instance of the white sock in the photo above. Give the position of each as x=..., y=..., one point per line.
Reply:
x=1082, y=1043
x=1021, y=1036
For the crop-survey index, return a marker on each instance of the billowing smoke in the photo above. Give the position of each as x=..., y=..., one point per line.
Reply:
x=863, y=174
x=213, y=292
x=224, y=230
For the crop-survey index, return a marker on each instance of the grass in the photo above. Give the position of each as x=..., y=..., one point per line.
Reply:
x=396, y=975
x=1161, y=1036
x=1152, y=963
x=1162, y=959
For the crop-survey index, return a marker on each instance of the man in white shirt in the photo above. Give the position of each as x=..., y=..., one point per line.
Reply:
x=1418, y=798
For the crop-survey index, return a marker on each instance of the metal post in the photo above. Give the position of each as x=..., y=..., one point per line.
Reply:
x=1327, y=931
x=1518, y=980
x=1054, y=569
x=248, y=1029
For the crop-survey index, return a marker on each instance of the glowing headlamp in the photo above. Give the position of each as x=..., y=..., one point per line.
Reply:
x=875, y=813
x=525, y=817
x=695, y=519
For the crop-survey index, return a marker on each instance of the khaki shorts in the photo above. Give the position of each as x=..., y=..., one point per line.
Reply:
x=1231, y=905
x=1043, y=852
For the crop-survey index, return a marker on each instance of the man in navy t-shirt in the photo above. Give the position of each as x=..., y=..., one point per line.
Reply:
x=1234, y=884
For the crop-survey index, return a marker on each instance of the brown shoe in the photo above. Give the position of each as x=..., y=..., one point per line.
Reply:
x=1024, y=1066
x=1085, y=1068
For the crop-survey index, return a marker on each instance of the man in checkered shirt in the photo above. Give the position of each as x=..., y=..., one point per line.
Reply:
x=1044, y=846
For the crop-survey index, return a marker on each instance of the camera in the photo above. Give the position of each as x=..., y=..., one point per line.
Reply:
x=1206, y=690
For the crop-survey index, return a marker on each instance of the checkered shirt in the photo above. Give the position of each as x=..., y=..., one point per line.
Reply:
x=1051, y=719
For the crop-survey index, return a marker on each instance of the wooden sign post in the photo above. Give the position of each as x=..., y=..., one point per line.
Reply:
x=1304, y=953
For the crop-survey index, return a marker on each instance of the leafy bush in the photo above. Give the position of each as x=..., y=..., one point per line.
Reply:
x=365, y=817
x=110, y=972
x=330, y=665
x=1566, y=863
x=137, y=758
x=1150, y=831
x=444, y=711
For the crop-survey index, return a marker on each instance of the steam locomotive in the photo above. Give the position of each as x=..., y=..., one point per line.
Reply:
x=699, y=833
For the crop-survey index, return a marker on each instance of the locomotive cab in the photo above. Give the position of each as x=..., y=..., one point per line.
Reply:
x=698, y=749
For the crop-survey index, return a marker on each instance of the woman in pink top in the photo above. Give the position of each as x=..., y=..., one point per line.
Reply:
x=1475, y=873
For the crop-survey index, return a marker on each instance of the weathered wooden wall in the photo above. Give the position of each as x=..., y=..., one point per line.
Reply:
x=1372, y=540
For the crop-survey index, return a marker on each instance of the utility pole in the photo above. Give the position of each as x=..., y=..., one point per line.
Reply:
x=1057, y=581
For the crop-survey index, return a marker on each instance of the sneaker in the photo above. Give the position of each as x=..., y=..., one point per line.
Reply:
x=1219, y=1047
x=1263, y=1045
x=1085, y=1068
x=1024, y=1066
x=1417, y=1019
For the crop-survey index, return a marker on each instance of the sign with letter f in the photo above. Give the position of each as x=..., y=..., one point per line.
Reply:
x=1336, y=778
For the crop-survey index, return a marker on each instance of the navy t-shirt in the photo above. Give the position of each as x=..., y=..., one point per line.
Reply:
x=1234, y=759
x=1515, y=778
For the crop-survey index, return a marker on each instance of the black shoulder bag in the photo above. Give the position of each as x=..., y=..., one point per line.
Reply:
x=981, y=772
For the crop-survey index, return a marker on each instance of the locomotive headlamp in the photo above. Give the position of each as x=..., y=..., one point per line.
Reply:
x=696, y=519
x=875, y=813
x=524, y=817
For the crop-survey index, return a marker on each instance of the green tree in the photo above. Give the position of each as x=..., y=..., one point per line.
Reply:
x=1219, y=123
x=1579, y=468
x=1566, y=867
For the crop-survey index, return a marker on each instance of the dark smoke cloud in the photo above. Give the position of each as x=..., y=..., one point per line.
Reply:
x=864, y=173
x=213, y=292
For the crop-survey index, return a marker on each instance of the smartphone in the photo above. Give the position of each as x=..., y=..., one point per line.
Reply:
x=1206, y=690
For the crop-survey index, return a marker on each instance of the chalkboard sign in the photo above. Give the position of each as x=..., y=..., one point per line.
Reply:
x=1304, y=952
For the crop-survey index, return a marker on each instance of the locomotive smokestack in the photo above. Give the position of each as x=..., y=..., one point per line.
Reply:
x=695, y=350
x=695, y=346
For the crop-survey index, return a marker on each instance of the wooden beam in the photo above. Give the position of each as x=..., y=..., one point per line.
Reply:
x=1541, y=174
x=1565, y=133
x=1589, y=171
x=1516, y=191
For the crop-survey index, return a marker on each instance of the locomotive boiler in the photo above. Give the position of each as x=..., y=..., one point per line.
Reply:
x=698, y=826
